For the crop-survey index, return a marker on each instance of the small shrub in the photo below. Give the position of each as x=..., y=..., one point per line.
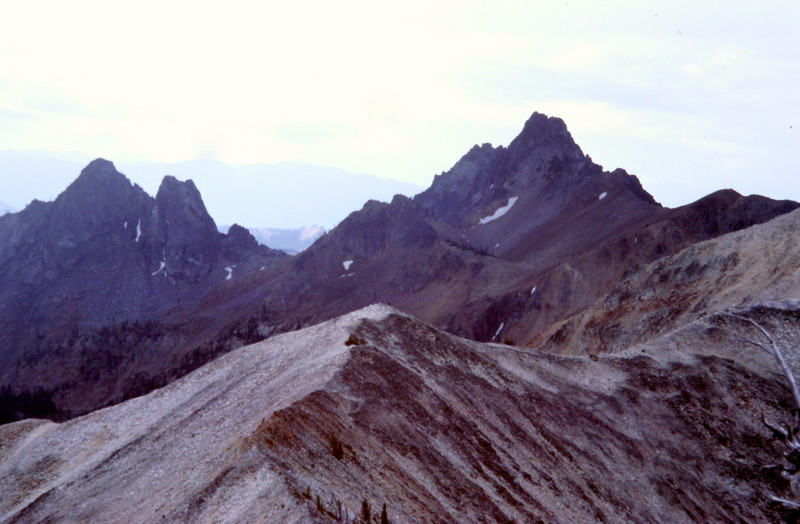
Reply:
x=366, y=511
x=353, y=340
x=509, y=342
x=337, y=447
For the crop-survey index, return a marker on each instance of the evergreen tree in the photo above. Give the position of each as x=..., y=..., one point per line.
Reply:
x=366, y=512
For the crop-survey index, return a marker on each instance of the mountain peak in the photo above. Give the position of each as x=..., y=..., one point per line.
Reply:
x=542, y=158
x=183, y=199
x=545, y=135
x=98, y=178
x=99, y=166
x=171, y=186
x=541, y=124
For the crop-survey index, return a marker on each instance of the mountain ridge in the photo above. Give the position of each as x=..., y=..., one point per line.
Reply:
x=304, y=427
x=644, y=373
x=571, y=232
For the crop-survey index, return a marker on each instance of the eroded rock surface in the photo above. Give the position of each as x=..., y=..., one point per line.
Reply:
x=303, y=428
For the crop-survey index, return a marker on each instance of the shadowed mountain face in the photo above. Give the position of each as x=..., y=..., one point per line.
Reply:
x=110, y=293
x=304, y=428
x=104, y=253
x=506, y=243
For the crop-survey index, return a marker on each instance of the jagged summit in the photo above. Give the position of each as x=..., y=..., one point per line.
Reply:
x=100, y=185
x=544, y=135
x=105, y=253
x=98, y=169
x=542, y=168
x=182, y=200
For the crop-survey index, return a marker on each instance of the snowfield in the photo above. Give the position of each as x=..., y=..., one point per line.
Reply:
x=500, y=212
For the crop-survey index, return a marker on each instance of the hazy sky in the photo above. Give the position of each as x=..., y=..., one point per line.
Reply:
x=691, y=96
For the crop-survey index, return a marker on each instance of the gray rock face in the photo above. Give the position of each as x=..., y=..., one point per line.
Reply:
x=186, y=238
x=542, y=163
x=102, y=255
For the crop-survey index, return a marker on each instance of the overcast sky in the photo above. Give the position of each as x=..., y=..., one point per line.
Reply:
x=691, y=96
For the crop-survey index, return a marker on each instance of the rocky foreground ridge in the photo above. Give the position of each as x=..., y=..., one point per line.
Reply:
x=305, y=428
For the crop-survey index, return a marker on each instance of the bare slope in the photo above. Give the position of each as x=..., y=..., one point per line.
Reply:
x=760, y=263
x=302, y=428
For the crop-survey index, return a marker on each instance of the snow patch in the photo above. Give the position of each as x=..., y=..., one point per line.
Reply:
x=496, y=245
x=496, y=333
x=602, y=195
x=500, y=212
x=229, y=269
x=162, y=267
x=125, y=224
x=533, y=290
x=139, y=230
x=347, y=264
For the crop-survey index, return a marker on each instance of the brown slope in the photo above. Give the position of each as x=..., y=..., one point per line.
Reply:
x=301, y=428
x=578, y=278
x=755, y=264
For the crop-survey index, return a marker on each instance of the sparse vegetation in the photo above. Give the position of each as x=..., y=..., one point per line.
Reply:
x=353, y=340
x=788, y=434
x=36, y=403
x=366, y=512
x=509, y=341
x=336, y=447
x=336, y=511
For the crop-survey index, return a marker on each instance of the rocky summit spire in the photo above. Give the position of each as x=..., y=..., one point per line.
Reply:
x=181, y=238
x=542, y=155
x=180, y=202
x=544, y=136
x=99, y=181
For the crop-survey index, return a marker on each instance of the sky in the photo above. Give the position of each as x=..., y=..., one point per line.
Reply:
x=689, y=96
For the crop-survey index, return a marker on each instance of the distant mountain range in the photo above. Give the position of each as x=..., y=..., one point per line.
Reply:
x=554, y=345
x=291, y=241
x=290, y=195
